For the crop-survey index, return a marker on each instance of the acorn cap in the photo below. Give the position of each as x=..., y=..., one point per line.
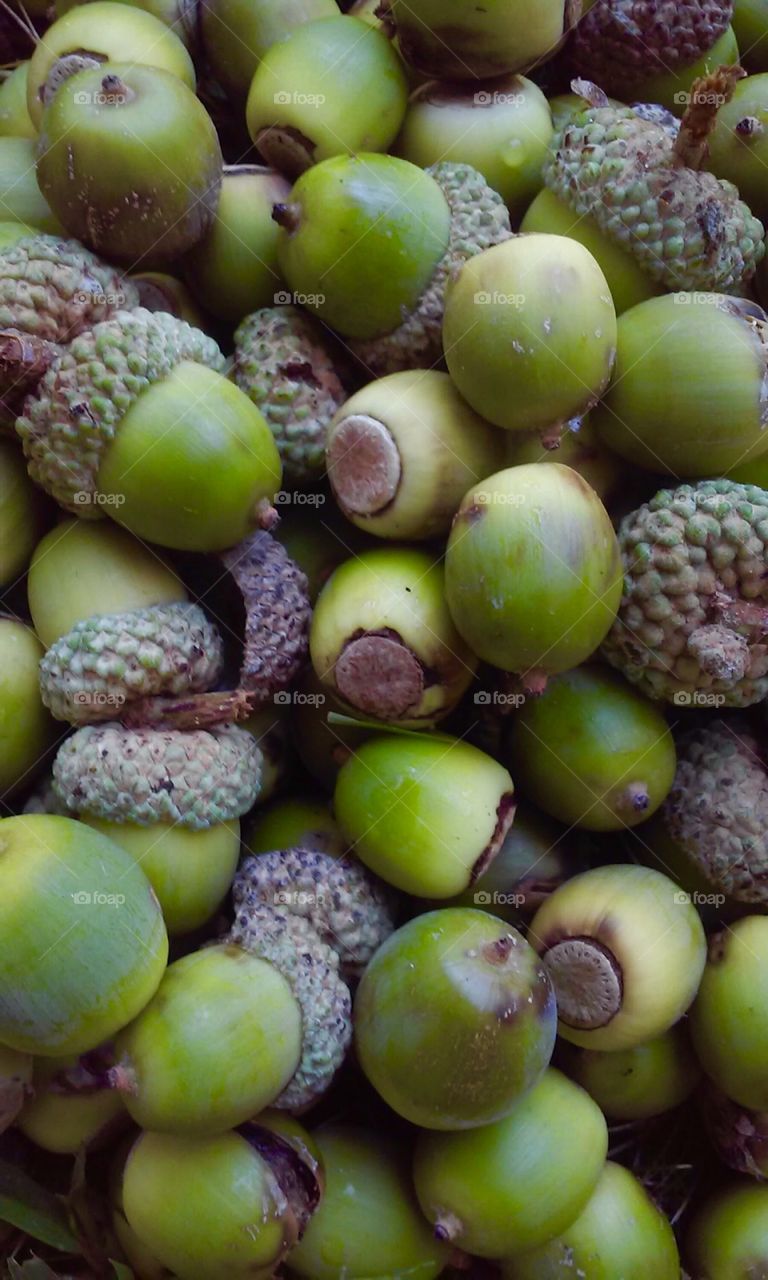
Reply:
x=344, y=903
x=311, y=968
x=284, y=365
x=113, y=658
x=688, y=229
x=717, y=810
x=692, y=620
x=199, y=779
x=75, y=410
x=479, y=219
x=620, y=43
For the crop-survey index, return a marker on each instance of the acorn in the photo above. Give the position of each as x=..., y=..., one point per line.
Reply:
x=619, y=1233
x=729, y=1019
x=15, y=1084
x=503, y=129
x=176, y=14
x=661, y=409
x=236, y=34
x=367, y=1225
x=232, y=1204
x=579, y=448
x=23, y=514
x=625, y=951
x=317, y=536
x=323, y=747
x=271, y=733
x=530, y=332
x=727, y=1236
x=689, y=628
x=330, y=87
x=26, y=728
x=382, y=638
x=285, y=364
x=15, y=121
x=233, y=269
x=445, y=40
x=159, y=291
x=63, y=1118
x=295, y=823
x=646, y=189
x=480, y=1014
x=87, y=37
x=370, y=242
x=675, y=90
x=402, y=452
x=80, y=569
x=750, y=26
x=129, y=159
x=638, y=1083
x=96, y=954
x=21, y=197
x=426, y=813
x=511, y=1186
x=591, y=751
x=135, y=418
x=737, y=146
x=627, y=281
x=533, y=571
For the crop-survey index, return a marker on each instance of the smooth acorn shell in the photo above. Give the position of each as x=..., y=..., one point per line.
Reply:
x=448, y=40
x=635, y=1084
x=27, y=730
x=236, y=34
x=22, y=514
x=21, y=199
x=728, y=1237
x=64, y=1122
x=15, y=121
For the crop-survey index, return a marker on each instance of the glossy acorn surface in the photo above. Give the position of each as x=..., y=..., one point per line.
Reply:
x=728, y=1237
x=236, y=34
x=15, y=121
x=294, y=824
x=454, y=1019
x=444, y=38
x=63, y=1122
x=738, y=144
x=26, y=728
x=513, y=1185
x=635, y=1084
x=21, y=199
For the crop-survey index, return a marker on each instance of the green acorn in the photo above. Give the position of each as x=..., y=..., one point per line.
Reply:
x=689, y=627
x=454, y=1019
x=26, y=728
x=592, y=752
x=729, y=1019
x=666, y=410
x=503, y=130
x=638, y=1083
x=402, y=452
x=60, y=1118
x=579, y=448
x=234, y=1204
x=330, y=87
x=619, y=1233
x=15, y=121
x=737, y=145
x=383, y=640
x=236, y=34
x=750, y=25
x=533, y=573
x=620, y=169
x=96, y=954
x=370, y=243
x=367, y=1226
x=530, y=332
x=159, y=291
x=322, y=747
x=511, y=1186
x=444, y=39
x=295, y=823
x=87, y=37
x=675, y=91
x=22, y=514
x=625, y=951
x=233, y=269
x=130, y=161
x=135, y=418
x=727, y=1236
x=426, y=813
x=21, y=197
x=286, y=366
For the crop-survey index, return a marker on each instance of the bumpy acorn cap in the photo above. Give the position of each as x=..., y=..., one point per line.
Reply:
x=76, y=408
x=111, y=659
x=283, y=364
x=688, y=229
x=342, y=901
x=479, y=219
x=198, y=779
x=620, y=43
x=656, y=114
x=693, y=617
x=311, y=968
x=717, y=810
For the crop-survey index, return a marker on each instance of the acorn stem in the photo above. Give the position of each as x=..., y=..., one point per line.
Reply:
x=708, y=95
x=287, y=216
x=23, y=359
x=200, y=711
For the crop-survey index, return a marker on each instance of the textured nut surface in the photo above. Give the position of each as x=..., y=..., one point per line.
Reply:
x=620, y=43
